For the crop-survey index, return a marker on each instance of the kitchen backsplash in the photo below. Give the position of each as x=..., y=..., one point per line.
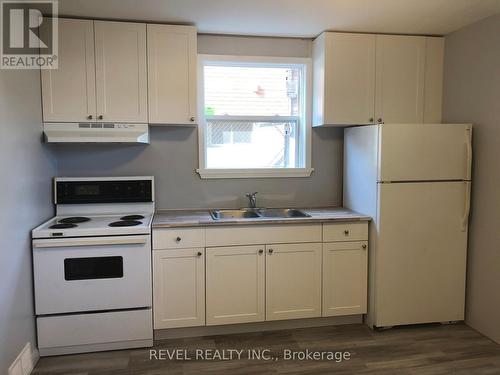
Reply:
x=172, y=158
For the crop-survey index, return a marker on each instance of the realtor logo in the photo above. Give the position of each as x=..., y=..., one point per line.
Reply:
x=28, y=40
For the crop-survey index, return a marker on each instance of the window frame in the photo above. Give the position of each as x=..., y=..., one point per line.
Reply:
x=304, y=122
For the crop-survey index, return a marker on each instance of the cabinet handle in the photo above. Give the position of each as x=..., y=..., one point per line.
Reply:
x=199, y=253
x=191, y=119
x=178, y=239
x=364, y=247
x=261, y=251
x=379, y=120
x=371, y=119
x=271, y=251
x=101, y=117
x=346, y=232
x=89, y=117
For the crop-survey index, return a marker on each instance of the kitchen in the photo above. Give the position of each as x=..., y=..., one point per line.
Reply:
x=148, y=119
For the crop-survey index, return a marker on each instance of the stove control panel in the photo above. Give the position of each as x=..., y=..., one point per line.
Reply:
x=81, y=191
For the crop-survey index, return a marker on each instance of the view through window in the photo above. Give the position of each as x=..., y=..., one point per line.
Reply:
x=253, y=115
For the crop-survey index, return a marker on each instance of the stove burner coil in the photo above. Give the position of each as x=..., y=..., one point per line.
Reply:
x=132, y=217
x=74, y=220
x=63, y=226
x=125, y=223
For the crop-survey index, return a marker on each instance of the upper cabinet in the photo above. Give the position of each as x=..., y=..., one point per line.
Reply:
x=172, y=54
x=433, y=87
x=68, y=92
x=364, y=79
x=400, y=72
x=102, y=74
x=344, y=79
x=121, y=72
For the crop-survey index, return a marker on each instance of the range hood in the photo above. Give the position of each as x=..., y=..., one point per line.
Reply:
x=95, y=133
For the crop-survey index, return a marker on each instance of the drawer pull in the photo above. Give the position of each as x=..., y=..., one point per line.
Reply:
x=346, y=232
x=199, y=253
x=178, y=239
x=261, y=251
x=271, y=251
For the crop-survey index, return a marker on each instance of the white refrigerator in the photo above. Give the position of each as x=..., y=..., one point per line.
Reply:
x=414, y=181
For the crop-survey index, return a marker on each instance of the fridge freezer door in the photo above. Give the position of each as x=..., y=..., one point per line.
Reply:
x=424, y=152
x=420, y=258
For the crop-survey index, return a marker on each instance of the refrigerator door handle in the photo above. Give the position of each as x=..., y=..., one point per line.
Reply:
x=465, y=218
x=468, y=145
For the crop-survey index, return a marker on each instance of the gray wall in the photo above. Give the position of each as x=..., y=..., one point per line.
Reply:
x=472, y=94
x=172, y=156
x=26, y=168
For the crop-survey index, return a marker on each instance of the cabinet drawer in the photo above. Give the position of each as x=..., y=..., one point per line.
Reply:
x=345, y=232
x=178, y=238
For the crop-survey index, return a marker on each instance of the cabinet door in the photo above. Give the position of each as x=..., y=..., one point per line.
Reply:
x=121, y=73
x=235, y=284
x=400, y=64
x=293, y=281
x=349, y=79
x=433, y=96
x=178, y=288
x=345, y=278
x=68, y=93
x=172, y=54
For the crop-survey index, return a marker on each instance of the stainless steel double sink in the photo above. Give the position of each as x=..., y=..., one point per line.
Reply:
x=257, y=213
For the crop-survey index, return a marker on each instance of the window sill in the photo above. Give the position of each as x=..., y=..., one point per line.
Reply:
x=254, y=173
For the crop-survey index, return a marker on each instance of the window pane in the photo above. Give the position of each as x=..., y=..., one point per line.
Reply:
x=248, y=144
x=251, y=91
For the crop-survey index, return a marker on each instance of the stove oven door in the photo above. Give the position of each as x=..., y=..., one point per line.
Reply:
x=91, y=274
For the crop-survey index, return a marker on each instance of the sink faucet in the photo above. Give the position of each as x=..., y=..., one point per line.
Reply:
x=252, y=199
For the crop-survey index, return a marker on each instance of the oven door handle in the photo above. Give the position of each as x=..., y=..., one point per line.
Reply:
x=66, y=242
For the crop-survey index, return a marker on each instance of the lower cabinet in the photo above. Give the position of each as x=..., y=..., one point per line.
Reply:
x=179, y=288
x=196, y=285
x=345, y=278
x=293, y=281
x=235, y=284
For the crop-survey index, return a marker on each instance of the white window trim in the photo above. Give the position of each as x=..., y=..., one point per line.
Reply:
x=210, y=173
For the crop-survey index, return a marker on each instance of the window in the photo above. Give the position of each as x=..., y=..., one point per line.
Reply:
x=255, y=117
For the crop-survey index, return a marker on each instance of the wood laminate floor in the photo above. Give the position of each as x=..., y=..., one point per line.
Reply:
x=430, y=350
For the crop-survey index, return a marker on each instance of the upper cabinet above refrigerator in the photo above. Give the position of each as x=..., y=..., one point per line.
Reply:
x=400, y=77
x=364, y=79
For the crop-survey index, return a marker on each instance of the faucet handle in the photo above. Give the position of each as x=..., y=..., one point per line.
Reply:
x=252, y=199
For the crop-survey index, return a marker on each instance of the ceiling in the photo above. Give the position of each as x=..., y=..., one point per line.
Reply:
x=293, y=18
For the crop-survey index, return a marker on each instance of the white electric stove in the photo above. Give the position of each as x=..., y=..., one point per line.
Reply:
x=92, y=266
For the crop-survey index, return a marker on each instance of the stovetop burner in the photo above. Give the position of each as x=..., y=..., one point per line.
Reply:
x=125, y=223
x=74, y=220
x=63, y=226
x=132, y=217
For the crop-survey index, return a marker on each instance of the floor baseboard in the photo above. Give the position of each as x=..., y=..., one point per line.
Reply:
x=25, y=362
x=174, y=333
